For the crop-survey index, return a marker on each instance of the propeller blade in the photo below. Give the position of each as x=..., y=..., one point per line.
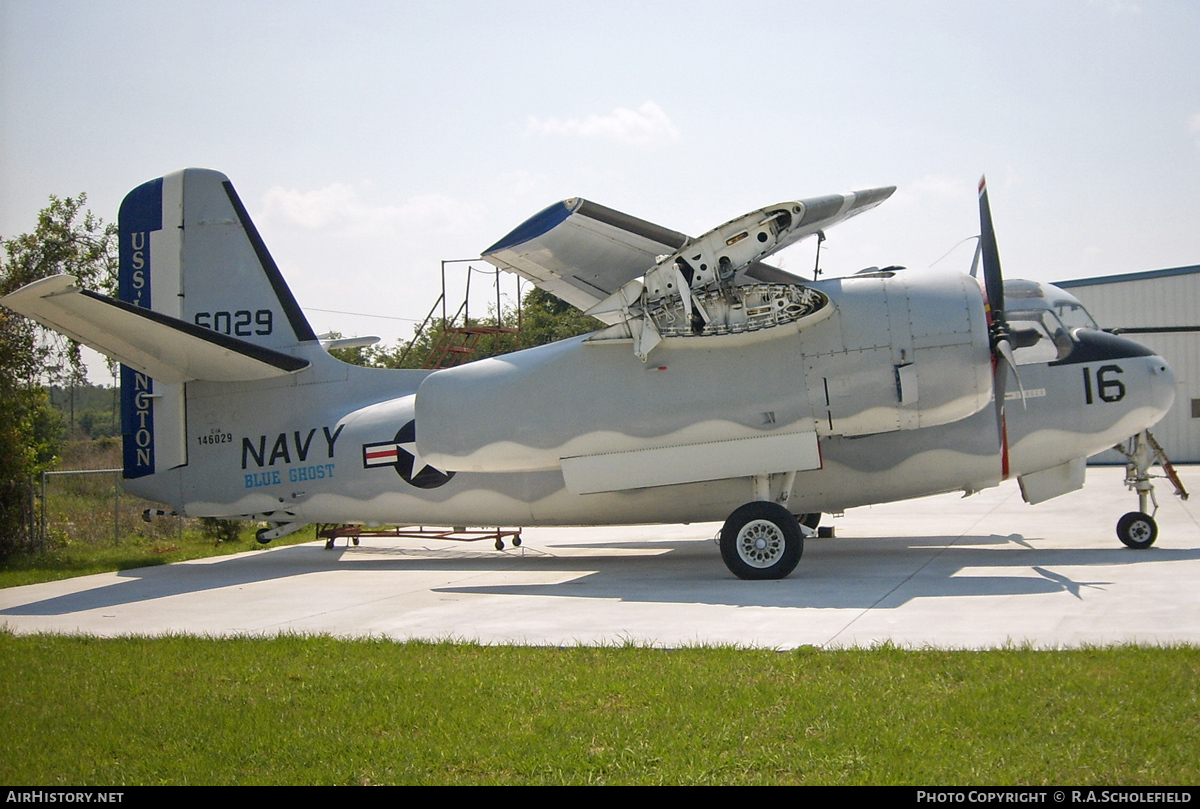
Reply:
x=993, y=284
x=993, y=279
x=1004, y=348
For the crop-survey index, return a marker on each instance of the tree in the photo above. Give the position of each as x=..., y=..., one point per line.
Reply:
x=544, y=319
x=67, y=239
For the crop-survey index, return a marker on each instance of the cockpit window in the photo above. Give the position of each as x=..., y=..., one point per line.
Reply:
x=1055, y=337
x=1073, y=315
x=1026, y=296
x=1020, y=289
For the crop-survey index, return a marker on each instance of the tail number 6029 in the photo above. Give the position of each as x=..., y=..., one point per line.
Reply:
x=242, y=323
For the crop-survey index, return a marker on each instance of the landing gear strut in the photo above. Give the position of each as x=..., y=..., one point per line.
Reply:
x=1137, y=529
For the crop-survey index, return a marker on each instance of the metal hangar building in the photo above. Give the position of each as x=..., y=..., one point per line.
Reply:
x=1161, y=310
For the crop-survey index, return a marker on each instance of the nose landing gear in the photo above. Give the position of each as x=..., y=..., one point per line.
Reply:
x=1137, y=529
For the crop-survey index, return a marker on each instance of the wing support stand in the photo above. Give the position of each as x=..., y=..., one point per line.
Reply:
x=1137, y=529
x=352, y=533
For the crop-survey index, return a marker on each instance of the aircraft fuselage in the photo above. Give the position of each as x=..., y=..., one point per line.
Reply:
x=894, y=385
x=720, y=388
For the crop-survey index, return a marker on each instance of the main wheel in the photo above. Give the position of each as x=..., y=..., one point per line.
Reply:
x=258, y=535
x=1137, y=530
x=761, y=541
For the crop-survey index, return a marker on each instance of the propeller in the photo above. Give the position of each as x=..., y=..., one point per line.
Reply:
x=1000, y=333
x=993, y=279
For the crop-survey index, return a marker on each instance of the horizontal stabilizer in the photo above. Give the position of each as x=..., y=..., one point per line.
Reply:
x=161, y=346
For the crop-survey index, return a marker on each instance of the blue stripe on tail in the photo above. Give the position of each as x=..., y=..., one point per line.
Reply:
x=141, y=214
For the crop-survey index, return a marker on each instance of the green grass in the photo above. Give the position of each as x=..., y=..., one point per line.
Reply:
x=321, y=711
x=66, y=560
x=90, y=530
x=292, y=710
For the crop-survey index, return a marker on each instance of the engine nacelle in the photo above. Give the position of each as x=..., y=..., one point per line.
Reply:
x=910, y=349
x=904, y=350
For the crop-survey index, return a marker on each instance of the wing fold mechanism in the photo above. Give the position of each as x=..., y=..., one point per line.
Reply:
x=649, y=283
x=166, y=348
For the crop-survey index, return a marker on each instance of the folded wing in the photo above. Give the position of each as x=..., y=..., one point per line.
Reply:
x=584, y=252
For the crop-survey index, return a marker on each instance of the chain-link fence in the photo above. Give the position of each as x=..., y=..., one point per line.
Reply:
x=88, y=505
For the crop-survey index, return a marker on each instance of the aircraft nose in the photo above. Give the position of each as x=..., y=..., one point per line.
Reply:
x=1157, y=393
x=1162, y=384
x=1162, y=378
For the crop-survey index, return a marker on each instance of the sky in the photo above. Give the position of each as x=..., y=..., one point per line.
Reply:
x=372, y=140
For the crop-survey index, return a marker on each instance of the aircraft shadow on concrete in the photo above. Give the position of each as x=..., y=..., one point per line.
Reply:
x=852, y=573
x=869, y=575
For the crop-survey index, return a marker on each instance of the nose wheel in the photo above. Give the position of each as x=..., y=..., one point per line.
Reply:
x=1137, y=529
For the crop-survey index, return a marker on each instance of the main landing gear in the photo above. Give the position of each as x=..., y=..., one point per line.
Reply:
x=1137, y=529
x=762, y=539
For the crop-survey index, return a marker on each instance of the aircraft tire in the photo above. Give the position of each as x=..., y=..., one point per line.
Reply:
x=761, y=540
x=1137, y=530
x=258, y=535
x=811, y=520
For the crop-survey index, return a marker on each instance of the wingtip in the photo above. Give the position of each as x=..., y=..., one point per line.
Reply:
x=41, y=288
x=537, y=225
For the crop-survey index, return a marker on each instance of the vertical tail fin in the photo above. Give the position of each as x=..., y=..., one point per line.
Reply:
x=189, y=250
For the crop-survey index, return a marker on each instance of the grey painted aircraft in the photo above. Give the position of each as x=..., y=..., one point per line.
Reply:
x=721, y=388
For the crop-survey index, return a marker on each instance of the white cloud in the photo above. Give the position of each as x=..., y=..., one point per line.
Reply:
x=647, y=125
x=1194, y=127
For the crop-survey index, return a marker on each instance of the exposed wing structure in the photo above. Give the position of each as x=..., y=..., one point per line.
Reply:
x=584, y=252
x=164, y=347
